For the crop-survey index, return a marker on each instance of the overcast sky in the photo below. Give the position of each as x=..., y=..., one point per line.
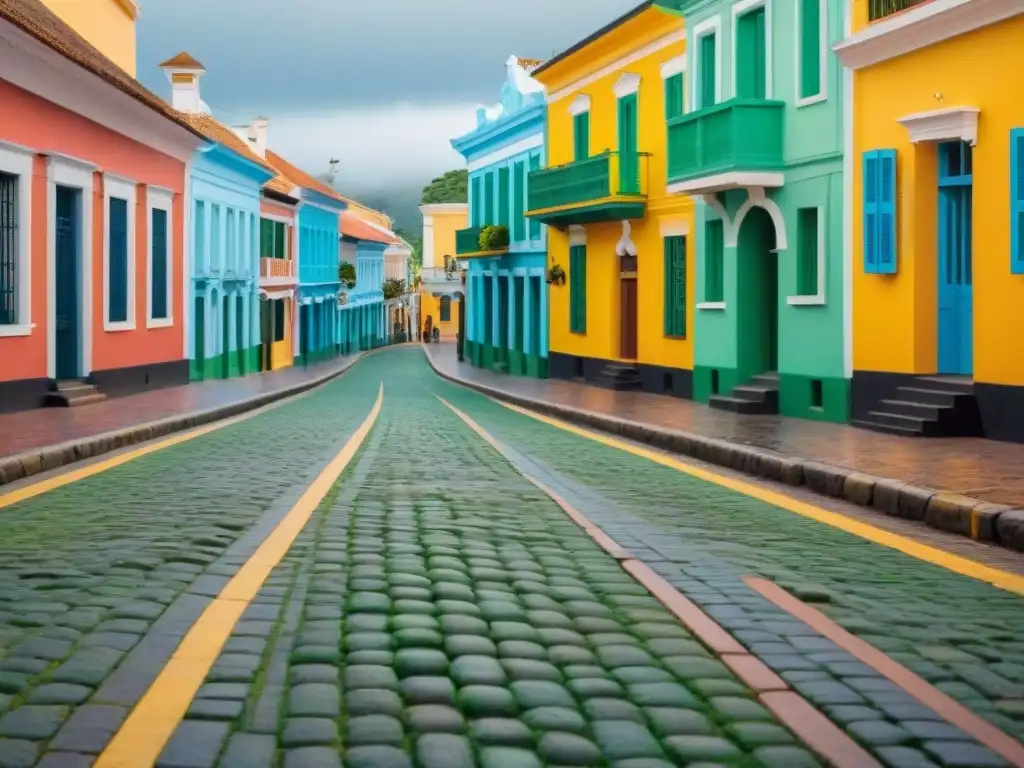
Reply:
x=380, y=84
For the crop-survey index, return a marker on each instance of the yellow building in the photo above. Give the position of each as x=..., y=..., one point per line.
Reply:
x=935, y=168
x=441, y=289
x=623, y=316
x=109, y=25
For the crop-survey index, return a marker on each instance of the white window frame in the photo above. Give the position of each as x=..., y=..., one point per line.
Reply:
x=711, y=26
x=159, y=199
x=672, y=67
x=742, y=8
x=579, y=105
x=817, y=299
x=17, y=161
x=822, y=94
x=124, y=189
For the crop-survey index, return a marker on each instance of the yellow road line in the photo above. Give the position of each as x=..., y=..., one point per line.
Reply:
x=151, y=724
x=1010, y=582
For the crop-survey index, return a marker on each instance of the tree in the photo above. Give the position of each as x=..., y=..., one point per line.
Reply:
x=415, y=242
x=347, y=274
x=452, y=187
x=393, y=287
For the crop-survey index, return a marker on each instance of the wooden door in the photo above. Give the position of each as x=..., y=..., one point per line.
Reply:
x=628, y=320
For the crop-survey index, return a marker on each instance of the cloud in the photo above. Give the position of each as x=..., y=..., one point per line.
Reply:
x=378, y=147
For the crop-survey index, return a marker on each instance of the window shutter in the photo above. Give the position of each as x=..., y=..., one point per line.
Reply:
x=810, y=48
x=714, y=257
x=807, y=252
x=534, y=224
x=869, y=182
x=760, y=55
x=477, y=200
x=118, y=261
x=158, y=280
x=675, y=286
x=9, y=242
x=578, y=289
x=674, y=96
x=1017, y=201
x=518, y=195
x=503, y=196
x=707, y=71
x=581, y=136
x=488, y=214
x=280, y=240
x=629, y=167
x=887, y=231
x=583, y=289
x=751, y=55
x=266, y=238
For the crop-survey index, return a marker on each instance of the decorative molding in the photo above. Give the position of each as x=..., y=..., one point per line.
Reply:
x=577, y=235
x=504, y=153
x=822, y=94
x=848, y=171
x=627, y=84
x=723, y=181
x=943, y=125
x=579, y=105
x=674, y=66
x=676, y=226
x=432, y=209
x=818, y=298
x=160, y=199
x=625, y=245
x=920, y=27
x=17, y=161
x=715, y=305
x=756, y=197
x=124, y=190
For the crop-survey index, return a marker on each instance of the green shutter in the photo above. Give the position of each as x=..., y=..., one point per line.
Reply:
x=810, y=48
x=581, y=136
x=807, y=252
x=280, y=240
x=751, y=55
x=158, y=281
x=488, y=214
x=117, y=254
x=629, y=165
x=534, y=224
x=714, y=261
x=518, y=201
x=674, y=96
x=503, y=196
x=477, y=201
x=266, y=238
x=675, y=286
x=11, y=261
x=578, y=289
x=708, y=44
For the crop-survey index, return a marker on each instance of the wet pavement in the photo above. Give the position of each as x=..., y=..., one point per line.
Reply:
x=438, y=609
x=43, y=427
x=985, y=469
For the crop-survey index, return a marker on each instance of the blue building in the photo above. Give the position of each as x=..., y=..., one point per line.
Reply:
x=319, y=330
x=223, y=203
x=506, y=321
x=363, y=318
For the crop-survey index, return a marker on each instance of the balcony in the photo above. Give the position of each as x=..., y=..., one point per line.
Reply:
x=467, y=243
x=880, y=9
x=277, y=271
x=439, y=281
x=737, y=143
x=607, y=187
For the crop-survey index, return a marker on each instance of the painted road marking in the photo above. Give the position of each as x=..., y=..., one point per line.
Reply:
x=1010, y=582
x=151, y=724
x=943, y=705
x=816, y=731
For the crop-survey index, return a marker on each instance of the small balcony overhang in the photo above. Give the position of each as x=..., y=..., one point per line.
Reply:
x=611, y=186
x=276, y=272
x=441, y=282
x=733, y=145
x=469, y=246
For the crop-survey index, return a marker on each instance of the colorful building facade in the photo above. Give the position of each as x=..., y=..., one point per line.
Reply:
x=441, y=288
x=758, y=139
x=936, y=172
x=225, y=181
x=363, y=316
x=503, y=252
x=107, y=25
x=619, y=245
x=398, y=266
x=279, y=273
x=92, y=210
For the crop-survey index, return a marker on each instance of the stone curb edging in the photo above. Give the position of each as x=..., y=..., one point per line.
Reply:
x=22, y=465
x=943, y=510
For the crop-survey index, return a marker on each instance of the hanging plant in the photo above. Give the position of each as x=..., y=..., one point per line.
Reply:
x=494, y=237
x=556, y=275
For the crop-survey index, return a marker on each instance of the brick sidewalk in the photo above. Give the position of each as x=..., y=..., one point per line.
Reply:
x=984, y=469
x=43, y=427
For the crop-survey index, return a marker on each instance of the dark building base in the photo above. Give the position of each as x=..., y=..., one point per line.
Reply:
x=656, y=379
x=118, y=382
x=1002, y=411
x=23, y=394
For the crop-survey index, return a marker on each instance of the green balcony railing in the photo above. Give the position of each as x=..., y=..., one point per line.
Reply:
x=879, y=9
x=467, y=240
x=739, y=134
x=608, y=174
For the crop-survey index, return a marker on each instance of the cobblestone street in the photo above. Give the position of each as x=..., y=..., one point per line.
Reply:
x=440, y=610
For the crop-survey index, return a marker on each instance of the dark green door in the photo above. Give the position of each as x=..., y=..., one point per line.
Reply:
x=629, y=164
x=199, y=353
x=268, y=311
x=225, y=326
x=240, y=342
x=67, y=325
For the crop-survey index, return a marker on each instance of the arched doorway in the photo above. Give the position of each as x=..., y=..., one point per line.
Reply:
x=757, y=289
x=628, y=306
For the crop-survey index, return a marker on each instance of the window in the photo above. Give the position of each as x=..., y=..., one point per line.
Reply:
x=674, y=96
x=477, y=202
x=279, y=319
x=810, y=46
x=714, y=261
x=629, y=164
x=807, y=252
x=578, y=289
x=230, y=254
x=518, y=201
x=117, y=260
x=200, y=235
x=159, y=303
x=708, y=70
x=751, y=55
x=1017, y=201
x=446, y=309
x=10, y=247
x=488, y=199
x=503, y=196
x=216, y=256
x=534, y=224
x=273, y=239
x=675, y=286
x=581, y=136
x=879, y=193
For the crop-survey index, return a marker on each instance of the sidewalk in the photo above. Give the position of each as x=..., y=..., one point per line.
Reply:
x=984, y=470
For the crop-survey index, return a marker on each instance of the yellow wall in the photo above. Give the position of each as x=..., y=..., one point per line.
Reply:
x=603, y=301
x=430, y=305
x=368, y=214
x=895, y=316
x=281, y=351
x=445, y=225
x=108, y=24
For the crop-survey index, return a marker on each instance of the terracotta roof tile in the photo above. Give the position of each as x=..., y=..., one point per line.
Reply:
x=214, y=130
x=35, y=19
x=299, y=177
x=182, y=61
x=352, y=226
x=281, y=185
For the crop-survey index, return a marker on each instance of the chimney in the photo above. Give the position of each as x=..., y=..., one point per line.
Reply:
x=184, y=73
x=258, y=136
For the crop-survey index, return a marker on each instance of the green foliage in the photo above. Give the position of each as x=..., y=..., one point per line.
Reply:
x=556, y=275
x=347, y=274
x=417, y=245
x=393, y=287
x=452, y=187
x=494, y=237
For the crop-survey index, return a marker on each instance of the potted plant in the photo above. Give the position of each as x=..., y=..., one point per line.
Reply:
x=556, y=275
x=494, y=237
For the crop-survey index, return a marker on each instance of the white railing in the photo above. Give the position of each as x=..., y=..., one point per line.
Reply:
x=277, y=269
x=440, y=275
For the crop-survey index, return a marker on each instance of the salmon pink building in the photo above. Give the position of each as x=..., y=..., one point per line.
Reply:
x=92, y=257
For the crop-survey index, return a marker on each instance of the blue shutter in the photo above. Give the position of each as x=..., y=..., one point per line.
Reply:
x=117, y=257
x=880, y=224
x=869, y=184
x=158, y=279
x=1017, y=201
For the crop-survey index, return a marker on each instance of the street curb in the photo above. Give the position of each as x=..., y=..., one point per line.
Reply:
x=22, y=465
x=943, y=510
